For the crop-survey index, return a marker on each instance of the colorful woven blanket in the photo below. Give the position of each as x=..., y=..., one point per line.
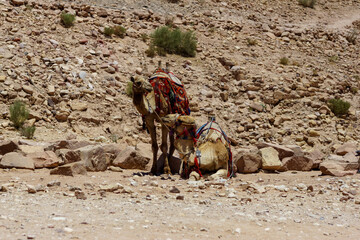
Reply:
x=169, y=92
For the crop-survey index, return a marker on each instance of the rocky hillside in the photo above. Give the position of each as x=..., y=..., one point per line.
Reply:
x=74, y=79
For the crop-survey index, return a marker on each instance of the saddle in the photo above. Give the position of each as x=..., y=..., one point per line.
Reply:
x=169, y=93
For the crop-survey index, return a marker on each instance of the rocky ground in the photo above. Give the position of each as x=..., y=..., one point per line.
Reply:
x=73, y=81
x=108, y=205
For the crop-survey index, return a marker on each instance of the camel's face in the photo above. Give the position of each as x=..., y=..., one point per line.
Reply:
x=140, y=85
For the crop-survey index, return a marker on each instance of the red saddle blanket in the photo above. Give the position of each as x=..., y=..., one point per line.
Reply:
x=168, y=88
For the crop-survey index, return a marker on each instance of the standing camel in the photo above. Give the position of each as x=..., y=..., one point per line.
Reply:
x=153, y=104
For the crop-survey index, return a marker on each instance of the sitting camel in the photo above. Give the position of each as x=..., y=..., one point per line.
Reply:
x=207, y=150
x=152, y=106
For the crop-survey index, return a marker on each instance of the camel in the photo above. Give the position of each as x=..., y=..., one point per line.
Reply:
x=145, y=102
x=210, y=152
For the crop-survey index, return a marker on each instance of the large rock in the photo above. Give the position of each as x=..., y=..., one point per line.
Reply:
x=349, y=147
x=68, y=156
x=317, y=156
x=247, y=162
x=340, y=166
x=16, y=160
x=130, y=158
x=93, y=157
x=45, y=159
x=297, y=163
x=70, y=169
x=270, y=158
x=18, y=2
x=8, y=146
x=282, y=150
x=28, y=149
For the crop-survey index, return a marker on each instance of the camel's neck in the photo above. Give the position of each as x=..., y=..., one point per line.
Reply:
x=139, y=102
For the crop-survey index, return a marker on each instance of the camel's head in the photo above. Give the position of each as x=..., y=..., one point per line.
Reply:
x=179, y=122
x=140, y=85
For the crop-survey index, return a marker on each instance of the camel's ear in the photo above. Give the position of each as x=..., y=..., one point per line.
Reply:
x=132, y=79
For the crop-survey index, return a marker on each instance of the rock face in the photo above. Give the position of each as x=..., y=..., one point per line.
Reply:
x=247, y=162
x=340, y=166
x=7, y=146
x=45, y=159
x=16, y=160
x=270, y=159
x=130, y=158
x=70, y=169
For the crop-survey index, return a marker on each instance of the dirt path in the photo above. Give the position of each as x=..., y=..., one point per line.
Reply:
x=210, y=210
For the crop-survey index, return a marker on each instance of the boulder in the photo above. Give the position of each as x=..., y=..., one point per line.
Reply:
x=44, y=159
x=18, y=2
x=297, y=163
x=340, y=166
x=282, y=150
x=93, y=157
x=70, y=169
x=8, y=146
x=247, y=162
x=270, y=158
x=68, y=156
x=16, y=160
x=27, y=149
x=349, y=147
x=317, y=157
x=130, y=158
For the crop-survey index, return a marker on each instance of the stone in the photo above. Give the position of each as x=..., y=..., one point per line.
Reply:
x=257, y=106
x=70, y=169
x=297, y=163
x=247, y=162
x=8, y=146
x=340, y=166
x=16, y=160
x=111, y=187
x=270, y=159
x=45, y=159
x=67, y=144
x=28, y=149
x=317, y=157
x=130, y=158
x=174, y=190
x=18, y=2
x=78, y=106
x=28, y=89
x=80, y=195
x=51, y=90
x=93, y=157
x=349, y=147
x=31, y=189
x=282, y=150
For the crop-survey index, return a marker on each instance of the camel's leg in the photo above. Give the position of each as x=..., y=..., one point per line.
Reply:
x=172, y=146
x=164, y=149
x=221, y=173
x=152, y=129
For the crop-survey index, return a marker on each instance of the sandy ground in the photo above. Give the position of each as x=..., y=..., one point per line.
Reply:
x=146, y=209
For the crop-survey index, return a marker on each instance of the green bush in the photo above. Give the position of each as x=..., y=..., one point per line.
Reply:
x=338, y=106
x=28, y=132
x=67, y=19
x=174, y=41
x=129, y=89
x=307, y=3
x=108, y=31
x=354, y=90
x=120, y=31
x=18, y=114
x=150, y=52
x=284, y=61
